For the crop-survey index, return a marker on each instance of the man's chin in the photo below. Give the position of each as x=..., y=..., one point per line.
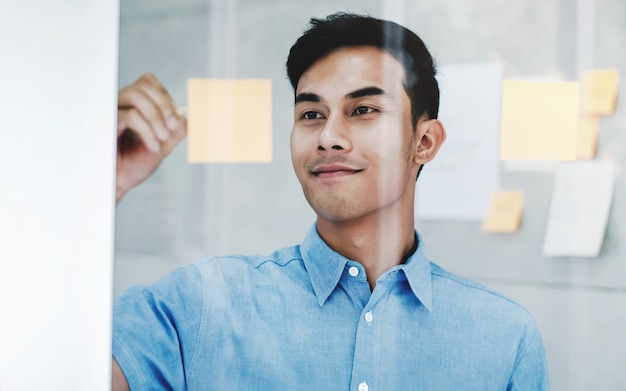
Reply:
x=336, y=213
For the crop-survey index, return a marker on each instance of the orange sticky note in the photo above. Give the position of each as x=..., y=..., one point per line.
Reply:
x=505, y=212
x=588, y=137
x=229, y=120
x=539, y=120
x=599, y=91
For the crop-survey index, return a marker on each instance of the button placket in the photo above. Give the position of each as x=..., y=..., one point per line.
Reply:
x=366, y=365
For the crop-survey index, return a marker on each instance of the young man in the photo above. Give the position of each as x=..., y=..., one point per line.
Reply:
x=356, y=306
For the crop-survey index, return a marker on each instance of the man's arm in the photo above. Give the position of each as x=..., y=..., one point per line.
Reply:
x=118, y=380
x=148, y=129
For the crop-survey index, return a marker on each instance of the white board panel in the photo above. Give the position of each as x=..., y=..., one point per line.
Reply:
x=57, y=163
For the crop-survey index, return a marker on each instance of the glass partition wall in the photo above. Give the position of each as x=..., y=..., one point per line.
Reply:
x=187, y=212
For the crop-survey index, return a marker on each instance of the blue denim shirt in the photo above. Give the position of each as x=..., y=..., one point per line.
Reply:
x=304, y=318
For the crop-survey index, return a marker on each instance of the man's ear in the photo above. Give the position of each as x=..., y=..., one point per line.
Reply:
x=430, y=135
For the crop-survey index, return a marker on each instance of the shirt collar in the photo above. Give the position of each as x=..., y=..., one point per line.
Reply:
x=417, y=271
x=325, y=267
x=323, y=264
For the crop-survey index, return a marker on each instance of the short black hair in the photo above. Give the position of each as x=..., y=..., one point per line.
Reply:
x=340, y=30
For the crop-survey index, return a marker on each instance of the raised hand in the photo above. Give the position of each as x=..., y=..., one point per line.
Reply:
x=148, y=129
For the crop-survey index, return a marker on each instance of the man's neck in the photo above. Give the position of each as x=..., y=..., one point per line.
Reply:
x=377, y=242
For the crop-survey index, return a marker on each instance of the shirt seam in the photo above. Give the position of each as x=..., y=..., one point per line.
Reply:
x=522, y=349
x=129, y=358
x=258, y=264
x=202, y=322
x=477, y=287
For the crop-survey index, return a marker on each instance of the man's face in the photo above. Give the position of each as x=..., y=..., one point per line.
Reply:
x=352, y=143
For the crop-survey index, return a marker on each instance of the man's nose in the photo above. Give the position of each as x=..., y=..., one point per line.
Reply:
x=335, y=135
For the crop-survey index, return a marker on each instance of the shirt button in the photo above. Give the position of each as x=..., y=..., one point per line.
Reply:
x=368, y=318
x=363, y=386
x=354, y=271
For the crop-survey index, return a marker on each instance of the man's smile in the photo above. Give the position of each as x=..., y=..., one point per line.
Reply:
x=329, y=171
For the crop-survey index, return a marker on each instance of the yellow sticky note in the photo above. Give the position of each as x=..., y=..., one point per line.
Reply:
x=588, y=137
x=229, y=120
x=539, y=120
x=599, y=91
x=505, y=212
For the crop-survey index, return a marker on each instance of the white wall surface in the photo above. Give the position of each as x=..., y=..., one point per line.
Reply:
x=58, y=91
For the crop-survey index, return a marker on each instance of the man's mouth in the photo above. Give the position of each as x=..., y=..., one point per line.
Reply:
x=334, y=171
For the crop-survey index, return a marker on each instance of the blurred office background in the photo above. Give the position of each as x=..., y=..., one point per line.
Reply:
x=187, y=212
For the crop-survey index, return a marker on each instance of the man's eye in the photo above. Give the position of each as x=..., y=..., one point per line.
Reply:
x=312, y=115
x=363, y=110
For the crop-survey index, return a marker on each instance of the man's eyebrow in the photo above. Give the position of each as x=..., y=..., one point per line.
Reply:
x=360, y=93
x=307, y=97
x=367, y=91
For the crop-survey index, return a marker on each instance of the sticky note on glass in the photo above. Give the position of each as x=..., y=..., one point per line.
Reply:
x=579, y=210
x=599, y=91
x=505, y=212
x=539, y=120
x=588, y=137
x=229, y=120
x=467, y=91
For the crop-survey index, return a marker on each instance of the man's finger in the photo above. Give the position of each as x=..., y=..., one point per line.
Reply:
x=151, y=86
x=137, y=97
x=179, y=133
x=132, y=120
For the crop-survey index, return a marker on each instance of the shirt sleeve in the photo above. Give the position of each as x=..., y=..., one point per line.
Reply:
x=155, y=330
x=531, y=368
